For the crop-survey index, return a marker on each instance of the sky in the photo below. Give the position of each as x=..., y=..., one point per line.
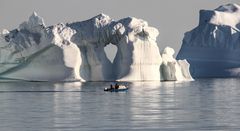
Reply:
x=171, y=17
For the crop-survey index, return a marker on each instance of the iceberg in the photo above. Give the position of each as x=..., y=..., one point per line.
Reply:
x=75, y=52
x=213, y=47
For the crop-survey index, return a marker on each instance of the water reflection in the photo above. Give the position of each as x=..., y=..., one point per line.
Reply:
x=23, y=107
x=206, y=104
x=66, y=104
x=144, y=103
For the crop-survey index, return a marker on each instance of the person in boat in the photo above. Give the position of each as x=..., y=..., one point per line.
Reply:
x=116, y=86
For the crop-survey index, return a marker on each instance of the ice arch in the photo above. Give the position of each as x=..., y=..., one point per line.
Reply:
x=111, y=51
x=137, y=57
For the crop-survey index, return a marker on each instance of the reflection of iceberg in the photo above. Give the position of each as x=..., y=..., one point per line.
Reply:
x=146, y=104
x=75, y=51
x=212, y=48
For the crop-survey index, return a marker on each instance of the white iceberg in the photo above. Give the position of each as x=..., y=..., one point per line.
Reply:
x=213, y=47
x=75, y=51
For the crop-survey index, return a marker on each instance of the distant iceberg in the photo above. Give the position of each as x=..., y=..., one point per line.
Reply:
x=213, y=47
x=75, y=51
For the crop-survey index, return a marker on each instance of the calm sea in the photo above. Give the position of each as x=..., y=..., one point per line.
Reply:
x=203, y=104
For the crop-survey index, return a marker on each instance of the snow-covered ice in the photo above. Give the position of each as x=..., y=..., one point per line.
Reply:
x=75, y=51
x=213, y=47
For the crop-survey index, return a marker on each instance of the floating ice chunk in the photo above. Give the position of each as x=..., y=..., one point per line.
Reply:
x=172, y=69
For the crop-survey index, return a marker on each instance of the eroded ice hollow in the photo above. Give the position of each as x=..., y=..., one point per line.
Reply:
x=213, y=47
x=75, y=51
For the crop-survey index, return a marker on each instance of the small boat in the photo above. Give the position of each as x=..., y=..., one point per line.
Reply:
x=120, y=88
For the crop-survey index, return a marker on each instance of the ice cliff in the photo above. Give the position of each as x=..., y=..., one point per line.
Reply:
x=213, y=47
x=75, y=51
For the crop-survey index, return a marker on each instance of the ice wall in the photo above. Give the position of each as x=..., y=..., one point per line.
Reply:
x=213, y=47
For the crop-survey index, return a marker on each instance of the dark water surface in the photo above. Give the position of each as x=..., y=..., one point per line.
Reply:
x=204, y=104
